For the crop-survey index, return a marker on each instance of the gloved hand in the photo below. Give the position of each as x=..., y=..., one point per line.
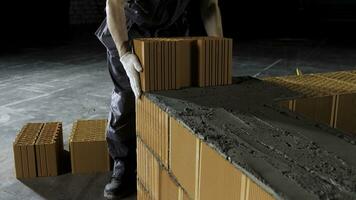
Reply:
x=132, y=67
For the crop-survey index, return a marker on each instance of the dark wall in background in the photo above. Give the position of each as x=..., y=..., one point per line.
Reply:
x=42, y=22
x=289, y=18
x=84, y=12
x=46, y=21
x=30, y=22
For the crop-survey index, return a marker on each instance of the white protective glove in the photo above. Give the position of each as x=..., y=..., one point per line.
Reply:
x=132, y=67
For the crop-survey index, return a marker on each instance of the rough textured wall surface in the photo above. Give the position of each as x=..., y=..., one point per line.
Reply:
x=288, y=156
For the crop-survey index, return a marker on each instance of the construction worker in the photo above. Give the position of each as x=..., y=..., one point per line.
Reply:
x=125, y=20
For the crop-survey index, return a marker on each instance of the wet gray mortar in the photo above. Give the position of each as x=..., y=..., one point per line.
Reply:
x=288, y=156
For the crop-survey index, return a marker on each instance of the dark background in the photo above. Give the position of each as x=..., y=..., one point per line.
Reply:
x=289, y=18
x=26, y=23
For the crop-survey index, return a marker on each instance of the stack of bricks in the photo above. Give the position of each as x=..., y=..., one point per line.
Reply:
x=174, y=63
x=88, y=147
x=38, y=150
x=329, y=98
x=174, y=163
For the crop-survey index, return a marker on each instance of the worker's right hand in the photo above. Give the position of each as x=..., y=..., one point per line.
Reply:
x=132, y=67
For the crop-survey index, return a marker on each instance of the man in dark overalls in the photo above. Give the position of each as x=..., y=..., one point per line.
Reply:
x=128, y=19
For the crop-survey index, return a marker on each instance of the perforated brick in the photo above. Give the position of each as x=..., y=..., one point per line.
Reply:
x=38, y=150
x=174, y=63
x=88, y=147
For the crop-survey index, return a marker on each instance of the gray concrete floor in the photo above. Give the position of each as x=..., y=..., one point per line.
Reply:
x=70, y=82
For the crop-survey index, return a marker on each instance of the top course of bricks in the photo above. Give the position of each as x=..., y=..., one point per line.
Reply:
x=290, y=157
x=317, y=85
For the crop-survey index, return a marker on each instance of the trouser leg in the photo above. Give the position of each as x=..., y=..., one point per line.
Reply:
x=121, y=122
x=120, y=134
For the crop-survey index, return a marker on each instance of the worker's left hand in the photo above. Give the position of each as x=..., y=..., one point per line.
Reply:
x=132, y=67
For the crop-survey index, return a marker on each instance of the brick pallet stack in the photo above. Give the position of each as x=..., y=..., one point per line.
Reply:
x=88, y=147
x=38, y=150
x=329, y=98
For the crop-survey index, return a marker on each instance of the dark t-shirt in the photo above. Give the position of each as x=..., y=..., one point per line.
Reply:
x=157, y=18
x=163, y=17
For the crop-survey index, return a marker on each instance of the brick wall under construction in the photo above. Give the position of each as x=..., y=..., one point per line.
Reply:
x=235, y=142
x=174, y=163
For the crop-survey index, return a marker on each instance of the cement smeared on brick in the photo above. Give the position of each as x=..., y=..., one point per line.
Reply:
x=288, y=156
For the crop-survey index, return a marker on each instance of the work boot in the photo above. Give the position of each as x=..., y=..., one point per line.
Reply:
x=114, y=189
x=118, y=189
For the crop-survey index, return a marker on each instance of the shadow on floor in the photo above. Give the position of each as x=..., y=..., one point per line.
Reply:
x=69, y=186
